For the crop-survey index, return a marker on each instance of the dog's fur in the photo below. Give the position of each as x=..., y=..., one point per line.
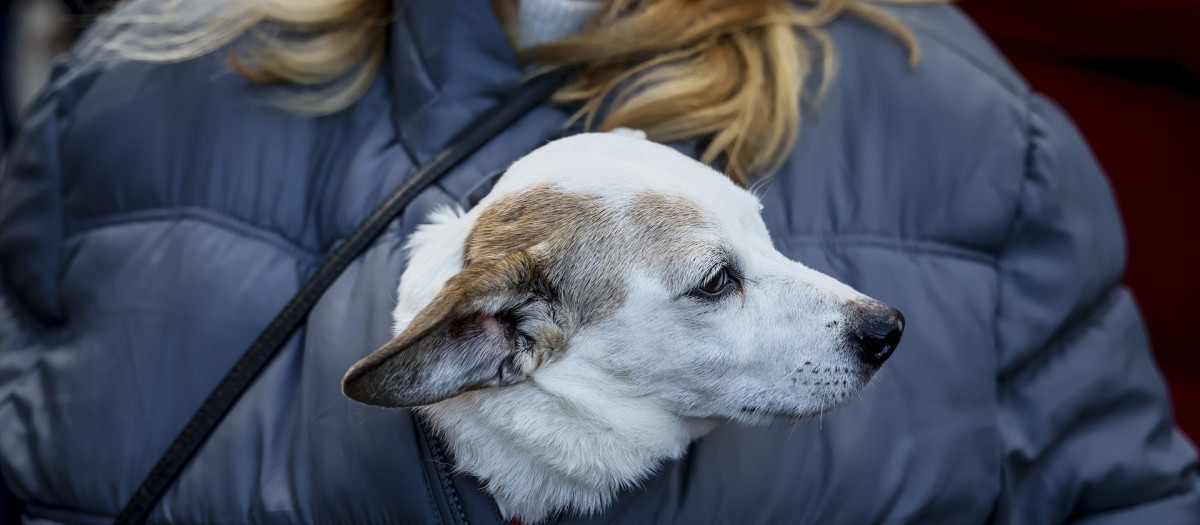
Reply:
x=561, y=338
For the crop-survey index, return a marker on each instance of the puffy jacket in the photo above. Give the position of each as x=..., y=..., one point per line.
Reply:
x=154, y=218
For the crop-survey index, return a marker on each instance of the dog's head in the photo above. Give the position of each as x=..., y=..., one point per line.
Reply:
x=618, y=262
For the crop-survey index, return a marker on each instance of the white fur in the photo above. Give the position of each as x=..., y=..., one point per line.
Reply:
x=635, y=388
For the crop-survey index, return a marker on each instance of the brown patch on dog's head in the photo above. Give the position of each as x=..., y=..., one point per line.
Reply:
x=541, y=214
x=537, y=265
x=667, y=225
x=583, y=245
x=561, y=231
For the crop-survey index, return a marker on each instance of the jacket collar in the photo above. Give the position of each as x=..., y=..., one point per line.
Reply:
x=448, y=62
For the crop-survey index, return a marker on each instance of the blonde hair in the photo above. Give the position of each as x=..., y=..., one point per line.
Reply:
x=728, y=73
x=731, y=73
x=331, y=47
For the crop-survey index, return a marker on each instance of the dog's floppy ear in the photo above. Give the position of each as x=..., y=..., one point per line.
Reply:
x=461, y=341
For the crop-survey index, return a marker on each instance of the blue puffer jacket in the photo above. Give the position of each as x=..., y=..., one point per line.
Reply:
x=153, y=218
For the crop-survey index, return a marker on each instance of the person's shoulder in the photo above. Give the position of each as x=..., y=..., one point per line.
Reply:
x=133, y=134
x=957, y=62
x=950, y=40
x=118, y=101
x=132, y=42
x=946, y=137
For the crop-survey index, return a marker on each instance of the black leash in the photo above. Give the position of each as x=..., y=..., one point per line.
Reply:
x=523, y=99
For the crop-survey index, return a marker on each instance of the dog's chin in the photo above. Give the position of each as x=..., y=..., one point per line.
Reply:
x=766, y=416
x=768, y=412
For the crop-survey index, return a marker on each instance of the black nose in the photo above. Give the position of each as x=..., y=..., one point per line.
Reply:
x=877, y=331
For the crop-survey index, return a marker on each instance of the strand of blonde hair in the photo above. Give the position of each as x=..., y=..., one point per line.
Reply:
x=731, y=75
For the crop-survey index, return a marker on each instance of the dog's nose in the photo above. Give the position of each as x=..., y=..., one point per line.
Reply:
x=877, y=332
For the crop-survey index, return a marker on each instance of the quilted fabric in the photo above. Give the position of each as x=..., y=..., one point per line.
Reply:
x=153, y=218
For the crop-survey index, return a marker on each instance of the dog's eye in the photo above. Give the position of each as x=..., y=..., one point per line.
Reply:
x=715, y=285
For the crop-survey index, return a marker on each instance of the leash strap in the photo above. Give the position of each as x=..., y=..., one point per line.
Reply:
x=168, y=468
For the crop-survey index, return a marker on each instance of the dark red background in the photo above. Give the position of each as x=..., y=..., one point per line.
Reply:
x=1128, y=73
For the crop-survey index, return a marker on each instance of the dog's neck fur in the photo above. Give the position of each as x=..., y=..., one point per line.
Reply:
x=558, y=442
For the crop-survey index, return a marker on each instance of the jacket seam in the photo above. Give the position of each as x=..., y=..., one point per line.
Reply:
x=927, y=247
x=1027, y=170
x=1070, y=330
x=207, y=216
x=58, y=514
x=1029, y=167
x=1003, y=497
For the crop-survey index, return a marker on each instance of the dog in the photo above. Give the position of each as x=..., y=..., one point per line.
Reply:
x=608, y=302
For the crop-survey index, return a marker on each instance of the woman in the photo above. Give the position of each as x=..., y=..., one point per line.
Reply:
x=155, y=216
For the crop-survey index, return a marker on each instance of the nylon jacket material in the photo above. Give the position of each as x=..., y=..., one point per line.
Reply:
x=154, y=218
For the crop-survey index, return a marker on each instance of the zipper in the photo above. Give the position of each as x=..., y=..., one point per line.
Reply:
x=441, y=465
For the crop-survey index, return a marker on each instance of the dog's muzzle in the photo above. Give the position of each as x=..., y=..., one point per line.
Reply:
x=875, y=330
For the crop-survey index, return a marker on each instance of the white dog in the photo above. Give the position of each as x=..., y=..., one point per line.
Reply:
x=608, y=302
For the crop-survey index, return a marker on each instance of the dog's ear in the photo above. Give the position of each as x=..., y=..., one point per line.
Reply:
x=464, y=340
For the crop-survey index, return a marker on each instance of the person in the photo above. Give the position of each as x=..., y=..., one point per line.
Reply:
x=172, y=188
